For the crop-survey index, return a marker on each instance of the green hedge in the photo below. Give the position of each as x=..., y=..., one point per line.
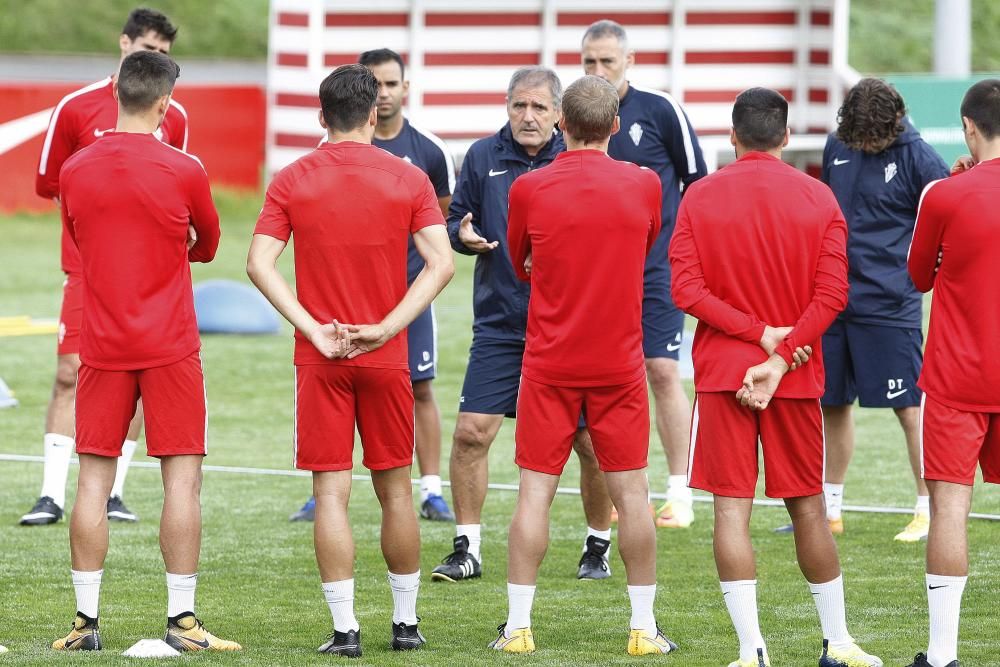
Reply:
x=886, y=35
x=208, y=28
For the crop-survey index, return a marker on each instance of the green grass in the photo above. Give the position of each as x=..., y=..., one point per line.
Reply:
x=259, y=582
x=238, y=29
x=207, y=28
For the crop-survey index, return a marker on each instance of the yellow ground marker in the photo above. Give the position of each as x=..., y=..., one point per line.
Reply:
x=22, y=325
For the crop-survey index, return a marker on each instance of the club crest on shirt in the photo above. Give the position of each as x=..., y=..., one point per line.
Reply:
x=635, y=132
x=890, y=171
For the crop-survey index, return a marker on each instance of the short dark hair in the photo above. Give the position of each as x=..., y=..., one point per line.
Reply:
x=347, y=97
x=379, y=56
x=981, y=105
x=144, y=77
x=143, y=20
x=760, y=118
x=589, y=107
x=871, y=116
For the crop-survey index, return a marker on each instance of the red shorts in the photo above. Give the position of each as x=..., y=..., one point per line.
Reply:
x=549, y=416
x=724, y=437
x=174, y=408
x=71, y=315
x=952, y=441
x=331, y=398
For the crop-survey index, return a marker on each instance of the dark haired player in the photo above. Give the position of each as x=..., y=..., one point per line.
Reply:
x=956, y=252
x=350, y=344
x=764, y=320
x=396, y=134
x=135, y=241
x=80, y=119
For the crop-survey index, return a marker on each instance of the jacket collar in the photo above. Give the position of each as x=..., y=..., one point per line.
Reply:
x=506, y=148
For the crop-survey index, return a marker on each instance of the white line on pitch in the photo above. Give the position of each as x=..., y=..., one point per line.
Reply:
x=566, y=490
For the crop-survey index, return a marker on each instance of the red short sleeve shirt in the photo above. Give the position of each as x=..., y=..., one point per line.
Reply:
x=351, y=208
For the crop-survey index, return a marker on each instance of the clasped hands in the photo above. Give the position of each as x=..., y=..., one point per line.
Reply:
x=347, y=341
x=761, y=381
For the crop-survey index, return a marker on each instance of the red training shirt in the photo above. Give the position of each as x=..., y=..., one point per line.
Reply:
x=758, y=242
x=352, y=208
x=588, y=222
x=80, y=119
x=127, y=201
x=959, y=217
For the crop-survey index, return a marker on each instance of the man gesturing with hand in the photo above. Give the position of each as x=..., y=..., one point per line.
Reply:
x=776, y=243
x=352, y=208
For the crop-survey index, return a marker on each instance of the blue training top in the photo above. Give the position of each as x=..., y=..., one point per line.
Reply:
x=879, y=195
x=500, y=300
x=426, y=151
x=656, y=133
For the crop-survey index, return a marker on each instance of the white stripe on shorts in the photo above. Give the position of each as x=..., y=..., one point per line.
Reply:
x=694, y=437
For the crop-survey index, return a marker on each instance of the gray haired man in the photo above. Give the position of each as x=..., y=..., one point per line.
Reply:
x=477, y=225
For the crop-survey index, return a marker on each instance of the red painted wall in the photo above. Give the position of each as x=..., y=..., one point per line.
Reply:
x=226, y=126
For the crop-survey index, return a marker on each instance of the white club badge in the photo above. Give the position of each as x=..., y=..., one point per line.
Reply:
x=890, y=171
x=635, y=132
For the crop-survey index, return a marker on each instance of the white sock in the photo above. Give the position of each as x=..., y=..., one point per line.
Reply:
x=58, y=449
x=678, y=489
x=944, y=601
x=741, y=601
x=128, y=450
x=923, y=505
x=404, y=597
x=600, y=534
x=340, y=597
x=829, y=599
x=471, y=531
x=88, y=591
x=834, y=496
x=430, y=485
x=642, y=598
x=180, y=593
x=519, y=600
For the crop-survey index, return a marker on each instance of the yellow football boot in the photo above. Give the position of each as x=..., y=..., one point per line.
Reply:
x=186, y=633
x=675, y=514
x=847, y=656
x=519, y=641
x=84, y=636
x=761, y=660
x=916, y=530
x=641, y=643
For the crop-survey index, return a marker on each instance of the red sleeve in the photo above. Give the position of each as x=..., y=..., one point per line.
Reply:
x=67, y=220
x=60, y=143
x=656, y=206
x=426, y=210
x=179, y=132
x=273, y=219
x=518, y=241
x=922, y=259
x=690, y=291
x=830, y=289
x=204, y=218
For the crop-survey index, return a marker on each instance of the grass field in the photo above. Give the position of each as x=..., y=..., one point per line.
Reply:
x=259, y=583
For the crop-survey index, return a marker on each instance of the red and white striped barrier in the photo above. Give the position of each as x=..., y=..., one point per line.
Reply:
x=460, y=56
